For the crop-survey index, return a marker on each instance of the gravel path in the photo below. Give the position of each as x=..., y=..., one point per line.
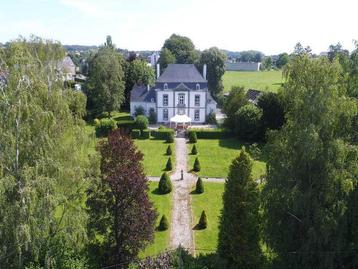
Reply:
x=181, y=227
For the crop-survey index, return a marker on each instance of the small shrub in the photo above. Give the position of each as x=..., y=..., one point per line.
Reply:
x=199, y=186
x=141, y=122
x=194, y=151
x=170, y=137
x=169, y=150
x=145, y=134
x=203, y=221
x=135, y=134
x=104, y=126
x=192, y=137
x=139, y=110
x=165, y=185
x=196, y=167
x=169, y=165
x=212, y=118
x=163, y=224
x=152, y=116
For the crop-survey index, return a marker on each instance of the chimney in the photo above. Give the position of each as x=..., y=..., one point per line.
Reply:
x=158, y=70
x=204, y=71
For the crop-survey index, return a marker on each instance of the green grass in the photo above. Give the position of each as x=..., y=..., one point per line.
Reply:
x=262, y=80
x=206, y=241
x=163, y=205
x=154, y=155
x=215, y=156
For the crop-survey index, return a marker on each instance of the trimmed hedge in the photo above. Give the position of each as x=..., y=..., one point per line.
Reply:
x=194, y=151
x=163, y=134
x=210, y=133
x=126, y=124
x=192, y=136
x=145, y=134
x=169, y=165
x=169, y=150
x=135, y=133
x=104, y=126
x=196, y=167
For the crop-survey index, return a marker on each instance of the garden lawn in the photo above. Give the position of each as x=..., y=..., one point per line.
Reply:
x=261, y=80
x=216, y=155
x=154, y=155
x=163, y=205
x=206, y=241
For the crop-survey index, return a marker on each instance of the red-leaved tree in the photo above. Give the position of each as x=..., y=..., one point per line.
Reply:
x=122, y=219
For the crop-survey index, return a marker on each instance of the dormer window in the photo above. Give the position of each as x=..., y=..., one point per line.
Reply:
x=165, y=86
x=198, y=86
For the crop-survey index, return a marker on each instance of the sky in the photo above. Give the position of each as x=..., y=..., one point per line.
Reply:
x=271, y=26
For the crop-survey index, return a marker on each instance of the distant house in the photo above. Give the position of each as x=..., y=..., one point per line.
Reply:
x=68, y=68
x=253, y=96
x=153, y=58
x=180, y=90
x=242, y=66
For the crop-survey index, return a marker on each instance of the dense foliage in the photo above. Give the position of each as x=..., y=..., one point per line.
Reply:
x=215, y=61
x=122, y=218
x=239, y=234
x=42, y=168
x=312, y=170
x=235, y=100
x=141, y=122
x=248, y=123
x=105, y=86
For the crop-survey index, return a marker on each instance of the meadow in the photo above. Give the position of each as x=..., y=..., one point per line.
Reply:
x=262, y=80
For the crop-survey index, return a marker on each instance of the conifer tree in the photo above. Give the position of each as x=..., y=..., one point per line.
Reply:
x=165, y=184
x=239, y=221
x=163, y=224
x=169, y=150
x=169, y=165
x=196, y=167
x=199, y=188
x=194, y=151
x=203, y=221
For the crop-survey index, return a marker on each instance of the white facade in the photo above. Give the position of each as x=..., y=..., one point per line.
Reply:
x=180, y=90
x=190, y=103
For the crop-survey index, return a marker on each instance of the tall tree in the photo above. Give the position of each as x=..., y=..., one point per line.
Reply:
x=215, y=61
x=239, y=222
x=42, y=170
x=282, y=60
x=182, y=48
x=273, y=110
x=311, y=167
x=122, y=218
x=137, y=72
x=105, y=86
x=235, y=100
x=166, y=57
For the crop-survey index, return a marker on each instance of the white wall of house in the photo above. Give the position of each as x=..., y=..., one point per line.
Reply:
x=147, y=106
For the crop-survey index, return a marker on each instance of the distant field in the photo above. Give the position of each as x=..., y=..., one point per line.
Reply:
x=261, y=80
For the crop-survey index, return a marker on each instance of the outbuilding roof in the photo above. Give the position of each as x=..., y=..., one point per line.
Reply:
x=140, y=93
x=181, y=73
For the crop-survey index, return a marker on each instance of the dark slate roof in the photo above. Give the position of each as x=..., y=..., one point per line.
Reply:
x=253, y=95
x=181, y=73
x=141, y=94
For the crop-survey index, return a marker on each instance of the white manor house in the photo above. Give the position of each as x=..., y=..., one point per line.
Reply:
x=179, y=92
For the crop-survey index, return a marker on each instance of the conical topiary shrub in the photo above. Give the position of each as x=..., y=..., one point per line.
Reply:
x=163, y=224
x=165, y=185
x=169, y=165
x=194, y=151
x=169, y=150
x=199, y=186
x=203, y=221
x=196, y=167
